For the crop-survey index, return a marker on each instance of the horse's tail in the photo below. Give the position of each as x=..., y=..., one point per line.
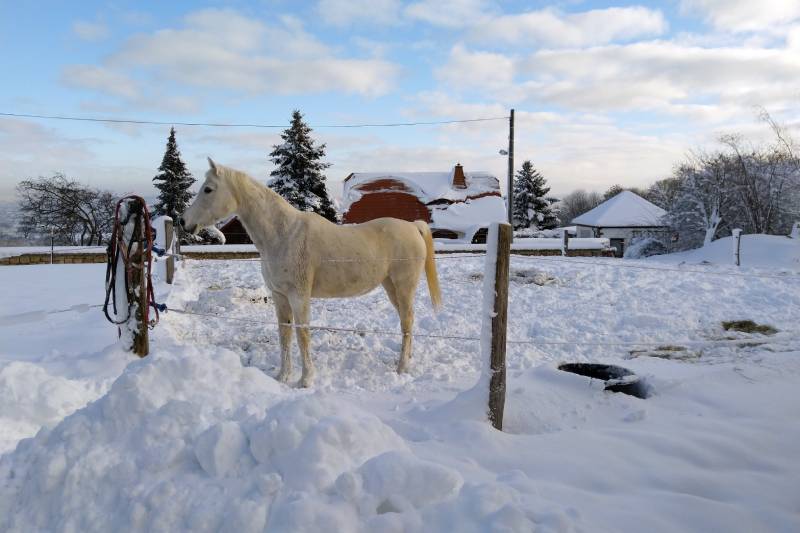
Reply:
x=430, y=265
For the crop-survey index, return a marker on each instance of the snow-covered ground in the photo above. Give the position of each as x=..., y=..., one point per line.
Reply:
x=190, y=439
x=756, y=251
x=11, y=251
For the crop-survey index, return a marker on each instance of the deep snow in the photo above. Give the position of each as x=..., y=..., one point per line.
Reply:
x=189, y=439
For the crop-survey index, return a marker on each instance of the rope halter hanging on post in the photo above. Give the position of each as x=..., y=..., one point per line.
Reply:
x=132, y=242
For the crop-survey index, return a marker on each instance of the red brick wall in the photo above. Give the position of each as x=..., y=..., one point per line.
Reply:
x=386, y=198
x=386, y=204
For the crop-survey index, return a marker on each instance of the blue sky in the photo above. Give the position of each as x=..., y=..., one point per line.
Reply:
x=604, y=92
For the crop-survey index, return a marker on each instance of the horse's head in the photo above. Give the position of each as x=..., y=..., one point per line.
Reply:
x=214, y=202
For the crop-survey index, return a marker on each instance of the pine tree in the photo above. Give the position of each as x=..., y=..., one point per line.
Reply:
x=173, y=181
x=530, y=206
x=299, y=176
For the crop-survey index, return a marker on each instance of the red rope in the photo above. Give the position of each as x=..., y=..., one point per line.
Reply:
x=117, y=249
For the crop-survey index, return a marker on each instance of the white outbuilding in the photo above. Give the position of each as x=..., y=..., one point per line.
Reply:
x=621, y=219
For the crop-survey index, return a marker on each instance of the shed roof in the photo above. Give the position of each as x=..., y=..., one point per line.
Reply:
x=427, y=186
x=625, y=210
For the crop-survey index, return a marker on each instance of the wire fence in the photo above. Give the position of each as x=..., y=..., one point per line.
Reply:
x=788, y=337
x=549, y=259
x=553, y=259
x=792, y=337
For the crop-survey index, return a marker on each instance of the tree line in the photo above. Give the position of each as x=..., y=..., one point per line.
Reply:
x=746, y=185
x=77, y=214
x=742, y=185
x=752, y=187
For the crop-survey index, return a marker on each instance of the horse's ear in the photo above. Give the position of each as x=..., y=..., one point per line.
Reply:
x=212, y=165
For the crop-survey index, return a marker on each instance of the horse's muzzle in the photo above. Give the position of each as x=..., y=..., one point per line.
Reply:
x=187, y=229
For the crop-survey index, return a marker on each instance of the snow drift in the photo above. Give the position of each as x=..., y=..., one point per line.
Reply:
x=198, y=442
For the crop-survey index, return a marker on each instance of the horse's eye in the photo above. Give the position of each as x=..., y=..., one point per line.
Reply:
x=208, y=190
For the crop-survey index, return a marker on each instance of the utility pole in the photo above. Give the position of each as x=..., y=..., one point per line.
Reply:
x=510, y=193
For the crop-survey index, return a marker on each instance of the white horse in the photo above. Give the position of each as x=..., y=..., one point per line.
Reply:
x=304, y=255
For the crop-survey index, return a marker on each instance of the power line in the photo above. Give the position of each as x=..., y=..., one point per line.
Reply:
x=233, y=125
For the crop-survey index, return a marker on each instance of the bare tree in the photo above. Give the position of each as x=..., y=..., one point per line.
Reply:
x=664, y=193
x=74, y=213
x=577, y=203
x=766, y=184
x=755, y=188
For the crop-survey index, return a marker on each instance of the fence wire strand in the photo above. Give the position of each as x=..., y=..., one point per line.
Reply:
x=568, y=260
x=546, y=259
x=723, y=342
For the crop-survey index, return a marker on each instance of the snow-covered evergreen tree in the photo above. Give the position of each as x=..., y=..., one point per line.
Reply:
x=299, y=174
x=531, y=208
x=173, y=181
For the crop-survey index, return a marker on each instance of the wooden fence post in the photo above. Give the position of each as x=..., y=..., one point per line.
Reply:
x=128, y=276
x=137, y=291
x=564, y=241
x=169, y=235
x=737, y=243
x=496, y=316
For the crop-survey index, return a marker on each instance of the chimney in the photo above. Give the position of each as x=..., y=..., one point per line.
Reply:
x=459, y=181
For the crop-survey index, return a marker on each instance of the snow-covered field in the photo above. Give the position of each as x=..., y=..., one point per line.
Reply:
x=190, y=439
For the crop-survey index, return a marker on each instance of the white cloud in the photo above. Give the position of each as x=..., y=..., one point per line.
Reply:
x=449, y=13
x=112, y=82
x=90, y=31
x=476, y=69
x=572, y=149
x=744, y=15
x=346, y=12
x=551, y=27
x=224, y=49
x=656, y=75
x=28, y=150
x=100, y=79
x=703, y=82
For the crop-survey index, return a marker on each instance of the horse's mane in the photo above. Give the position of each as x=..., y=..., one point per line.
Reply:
x=243, y=179
x=229, y=173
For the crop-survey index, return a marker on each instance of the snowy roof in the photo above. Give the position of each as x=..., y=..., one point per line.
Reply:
x=427, y=186
x=624, y=210
x=469, y=216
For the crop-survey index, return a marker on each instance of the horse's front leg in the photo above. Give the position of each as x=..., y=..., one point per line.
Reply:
x=283, y=311
x=301, y=307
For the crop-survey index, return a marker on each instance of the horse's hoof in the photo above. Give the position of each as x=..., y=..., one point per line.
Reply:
x=283, y=377
x=402, y=368
x=306, y=382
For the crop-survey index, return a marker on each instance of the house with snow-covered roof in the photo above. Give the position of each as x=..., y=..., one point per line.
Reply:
x=457, y=205
x=621, y=219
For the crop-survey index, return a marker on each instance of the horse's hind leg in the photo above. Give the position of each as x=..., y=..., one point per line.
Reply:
x=284, y=313
x=301, y=307
x=403, y=300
